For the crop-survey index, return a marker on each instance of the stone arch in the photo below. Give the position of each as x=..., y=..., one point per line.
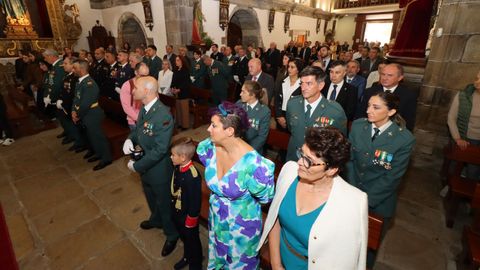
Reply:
x=131, y=30
x=246, y=20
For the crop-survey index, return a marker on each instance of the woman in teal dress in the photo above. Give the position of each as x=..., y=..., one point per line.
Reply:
x=317, y=220
x=240, y=180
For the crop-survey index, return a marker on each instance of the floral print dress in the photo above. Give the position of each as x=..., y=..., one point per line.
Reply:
x=235, y=217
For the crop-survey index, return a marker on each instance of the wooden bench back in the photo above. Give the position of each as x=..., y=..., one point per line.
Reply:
x=375, y=224
x=170, y=102
x=114, y=110
x=277, y=138
x=200, y=94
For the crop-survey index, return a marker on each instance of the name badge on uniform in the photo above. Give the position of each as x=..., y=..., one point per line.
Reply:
x=214, y=71
x=147, y=128
x=383, y=158
x=231, y=62
x=197, y=66
x=323, y=122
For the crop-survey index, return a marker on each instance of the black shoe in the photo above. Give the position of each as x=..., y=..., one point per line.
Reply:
x=89, y=154
x=80, y=149
x=180, y=264
x=61, y=135
x=93, y=159
x=147, y=225
x=101, y=165
x=168, y=247
x=67, y=141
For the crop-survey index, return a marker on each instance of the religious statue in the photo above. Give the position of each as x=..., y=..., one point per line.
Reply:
x=197, y=24
x=70, y=19
x=16, y=12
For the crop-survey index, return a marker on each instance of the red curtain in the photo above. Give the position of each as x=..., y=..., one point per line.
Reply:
x=413, y=34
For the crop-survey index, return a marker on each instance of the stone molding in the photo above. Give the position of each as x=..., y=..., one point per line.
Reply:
x=125, y=17
x=102, y=4
x=284, y=6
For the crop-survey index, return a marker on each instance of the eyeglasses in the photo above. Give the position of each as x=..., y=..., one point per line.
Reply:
x=307, y=162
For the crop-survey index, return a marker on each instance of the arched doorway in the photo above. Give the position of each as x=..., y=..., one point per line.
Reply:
x=130, y=30
x=244, y=28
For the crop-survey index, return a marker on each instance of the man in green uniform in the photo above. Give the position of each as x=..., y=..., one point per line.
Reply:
x=198, y=70
x=311, y=110
x=150, y=141
x=54, y=88
x=219, y=77
x=228, y=61
x=85, y=109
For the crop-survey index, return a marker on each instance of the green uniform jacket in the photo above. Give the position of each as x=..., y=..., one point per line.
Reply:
x=228, y=63
x=86, y=96
x=259, y=118
x=155, y=65
x=153, y=133
x=219, y=77
x=377, y=167
x=198, y=71
x=55, y=81
x=327, y=113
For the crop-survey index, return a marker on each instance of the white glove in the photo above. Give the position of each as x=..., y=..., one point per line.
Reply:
x=130, y=165
x=118, y=90
x=128, y=147
x=235, y=77
x=59, y=104
x=47, y=100
x=192, y=78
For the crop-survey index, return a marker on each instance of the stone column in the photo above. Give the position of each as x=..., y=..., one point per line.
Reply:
x=178, y=21
x=453, y=62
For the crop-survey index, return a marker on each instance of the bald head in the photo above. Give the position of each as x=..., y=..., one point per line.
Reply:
x=141, y=69
x=254, y=66
x=145, y=89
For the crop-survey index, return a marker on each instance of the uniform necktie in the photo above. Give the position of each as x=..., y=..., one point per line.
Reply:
x=388, y=91
x=307, y=113
x=349, y=80
x=375, y=135
x=333, y=95
x=325, y=63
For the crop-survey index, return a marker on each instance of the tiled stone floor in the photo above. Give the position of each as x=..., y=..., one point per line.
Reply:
x=62, y=215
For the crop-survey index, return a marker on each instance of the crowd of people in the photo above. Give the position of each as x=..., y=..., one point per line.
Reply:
x=349, y=144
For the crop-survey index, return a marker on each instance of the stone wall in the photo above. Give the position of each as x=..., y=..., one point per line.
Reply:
x=178, y=19
x=453, y=62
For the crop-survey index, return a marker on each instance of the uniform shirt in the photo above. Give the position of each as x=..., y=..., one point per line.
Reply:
x=392, y=89
x=330, y=89
x=382, y=128
x=149, y=105
x=313, y=104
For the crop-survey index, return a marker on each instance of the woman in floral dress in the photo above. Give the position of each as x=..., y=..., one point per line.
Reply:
x=240, y=180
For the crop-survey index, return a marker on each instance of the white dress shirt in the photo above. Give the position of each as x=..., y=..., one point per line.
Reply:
x=165, y=81
x=330, y=89
x=287, y=90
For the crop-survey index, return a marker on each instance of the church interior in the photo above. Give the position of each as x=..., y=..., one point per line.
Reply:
x=58, y=213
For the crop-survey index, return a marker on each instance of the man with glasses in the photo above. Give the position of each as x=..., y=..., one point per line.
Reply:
x=311, y=110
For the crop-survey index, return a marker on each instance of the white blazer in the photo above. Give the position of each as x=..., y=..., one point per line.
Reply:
x=164, y=81
x=338, y=238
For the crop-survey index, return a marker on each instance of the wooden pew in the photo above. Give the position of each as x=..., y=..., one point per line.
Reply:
x=18, y=114
x=471, y=235
x=199, y=105
x=278, y=140
x=459, y=187
x=115, y=126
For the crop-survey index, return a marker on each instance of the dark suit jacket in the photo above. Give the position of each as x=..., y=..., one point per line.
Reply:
x=359, y=82
x=408, y=103
x=306, y=57
x=171, y=59
x=266, y=81
x=273, y=58
x=293, y=50
x=218, y=56
x=347, y=97
x=365, y=66
x=155, y=65
x=181, y=80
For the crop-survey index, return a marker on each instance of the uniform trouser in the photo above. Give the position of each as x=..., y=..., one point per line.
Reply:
x=66, y=123
x=371, y=254
x=4, y=125
x=192, y=247
x=183, y=112
x=93, y=125
x=158, y=199
x=219, y=95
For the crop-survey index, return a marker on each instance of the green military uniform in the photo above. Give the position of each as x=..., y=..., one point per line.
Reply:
x=229, y=61
x=327, y=113
x=376, y=167
x=67, y=95
x=99, y=72
x=259, y=119
x=55, y=81
x=86, y=106
x=153, y=133
x=154, y=65
x=219, y=77
x=198, y=72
